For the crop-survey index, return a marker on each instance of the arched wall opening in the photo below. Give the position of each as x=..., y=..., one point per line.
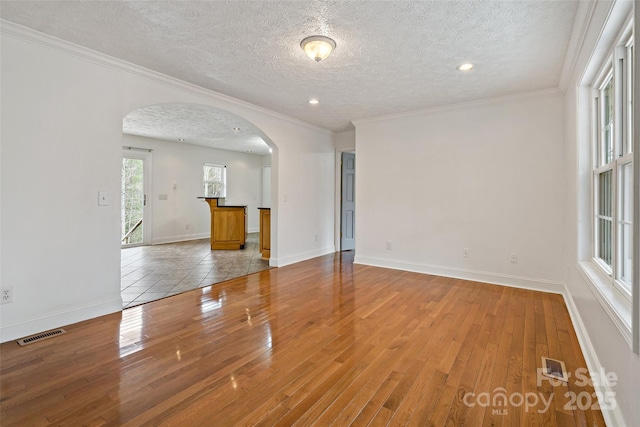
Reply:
x=216, y=135
x=79, y=108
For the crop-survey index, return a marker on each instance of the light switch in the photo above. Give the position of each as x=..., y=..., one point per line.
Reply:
x=103, y=198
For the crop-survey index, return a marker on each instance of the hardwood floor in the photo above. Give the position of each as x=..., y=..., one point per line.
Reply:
x=320, y=342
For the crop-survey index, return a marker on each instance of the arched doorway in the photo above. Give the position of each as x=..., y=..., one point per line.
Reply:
x=182, y=139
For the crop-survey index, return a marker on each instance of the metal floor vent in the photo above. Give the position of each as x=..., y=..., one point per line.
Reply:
x=42, y=336
x=553, y=368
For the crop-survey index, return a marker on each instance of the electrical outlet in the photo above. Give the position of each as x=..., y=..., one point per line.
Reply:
x=7, y=295
x=514, y=258
x=316, y=238
x=186, y=226
x=103, y=198
x=388, y=245
x=465, y=252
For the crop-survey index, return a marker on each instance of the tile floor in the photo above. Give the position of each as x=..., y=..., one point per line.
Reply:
x=149, y=273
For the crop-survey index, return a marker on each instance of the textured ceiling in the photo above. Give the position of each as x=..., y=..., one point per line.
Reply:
x=391, y=56
x=195, y=124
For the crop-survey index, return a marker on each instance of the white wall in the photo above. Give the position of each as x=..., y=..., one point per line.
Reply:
x=345, y=140
x=481, y=176
x=61, y=132
x=62, y=110
x=182, y=216
x=603, y=345
x=304, y=202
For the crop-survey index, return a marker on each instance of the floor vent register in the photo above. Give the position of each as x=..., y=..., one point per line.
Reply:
x=41, y=336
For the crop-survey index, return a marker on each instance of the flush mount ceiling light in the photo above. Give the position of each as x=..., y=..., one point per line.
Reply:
x=318, y=47
x=314, y=101
x=464, y=67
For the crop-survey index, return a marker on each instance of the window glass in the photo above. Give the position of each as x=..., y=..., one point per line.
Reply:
x=627, y=143
x=215, y=180
x=607, y=122
x=604, y=217
x=625, y=224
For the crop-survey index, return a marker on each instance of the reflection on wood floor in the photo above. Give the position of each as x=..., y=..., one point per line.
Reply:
x=318, y=342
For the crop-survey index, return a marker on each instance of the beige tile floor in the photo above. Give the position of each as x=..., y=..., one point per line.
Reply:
x=149, y=273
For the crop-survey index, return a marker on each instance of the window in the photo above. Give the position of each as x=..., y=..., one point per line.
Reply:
x=613, y=167
x=215, y=180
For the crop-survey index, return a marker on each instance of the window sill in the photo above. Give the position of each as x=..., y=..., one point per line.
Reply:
x=614, y=303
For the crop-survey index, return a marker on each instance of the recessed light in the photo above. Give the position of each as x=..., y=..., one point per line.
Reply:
x=313, y=101
x=464, y=67
x=270, y=150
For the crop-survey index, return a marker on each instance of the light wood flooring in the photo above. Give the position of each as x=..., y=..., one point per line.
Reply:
x=321, y=342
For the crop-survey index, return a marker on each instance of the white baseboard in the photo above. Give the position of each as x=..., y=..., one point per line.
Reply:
x=281, y=262
x=253, y=229
x=183, y=238
x=59, y=319
x=461, y=273
x=612, y=417
x=187, y=237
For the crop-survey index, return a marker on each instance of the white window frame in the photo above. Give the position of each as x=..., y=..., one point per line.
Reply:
x=617, y=298
x=223, y=182
x=601, y=167
x=616, y=70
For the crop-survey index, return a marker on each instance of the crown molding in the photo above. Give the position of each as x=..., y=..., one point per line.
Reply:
x=613, y=19
x=584, y=16
x=8, y=28
x=544, y=93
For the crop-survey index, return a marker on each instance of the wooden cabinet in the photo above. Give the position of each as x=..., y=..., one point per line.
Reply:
x=265, y=232
x=228, y=225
